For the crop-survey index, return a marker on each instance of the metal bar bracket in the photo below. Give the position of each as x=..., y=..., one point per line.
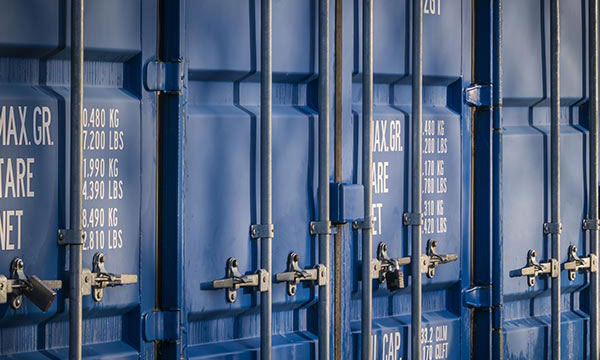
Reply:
x=262, y=231
x=234, y=280
x=322, y=228
x=478, y=297
x=161, y=326
x=70, y=237
x=294, y=274
x=366, y=224
x=590, y=224
x=534, y=268
x=40, y=292
x=576, y=264
x=164, y=76
x=97, y=279
x=432, y=260
x=412, y=219
x=552, y=228
x=479, y=95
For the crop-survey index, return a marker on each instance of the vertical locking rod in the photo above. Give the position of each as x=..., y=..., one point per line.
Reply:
x=417, y=114
x=593, y=175
x=75, y=250
x=497, y=238
x=367, y=237
x=555, y=166
x=324, y=110
x=266, y=175
x=337, y=293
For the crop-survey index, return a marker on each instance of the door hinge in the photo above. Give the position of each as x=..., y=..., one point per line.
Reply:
x=161, y=326
x=479, y=95
x=478, y=297
x=164, y=76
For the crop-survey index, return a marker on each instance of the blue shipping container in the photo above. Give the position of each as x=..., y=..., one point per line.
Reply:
x=224, y=218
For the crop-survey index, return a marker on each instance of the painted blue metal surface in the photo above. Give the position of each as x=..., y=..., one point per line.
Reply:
x=222, y=102
x=218, y=186
x=446, y=165
x=172, y=174
x=512, y=151
x=525, y=169
x=119, y=161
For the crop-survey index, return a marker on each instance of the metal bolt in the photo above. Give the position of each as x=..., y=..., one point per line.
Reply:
x=384, y=248
x=86, y=279
x=16, y=302
x=296, y=257
x=98, y=294
x=1, y=286
x=264, y=279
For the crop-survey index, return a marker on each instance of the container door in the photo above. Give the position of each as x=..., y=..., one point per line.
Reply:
x=514, y=151
x=446, y=169
x=211, y=171
x=119, y=174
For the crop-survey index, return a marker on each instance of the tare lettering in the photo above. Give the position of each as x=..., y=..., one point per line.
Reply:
x=23, y=126
x=387, y=138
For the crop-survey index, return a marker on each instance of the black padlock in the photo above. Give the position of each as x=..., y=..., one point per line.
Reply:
x=394, y=278
x=39, y=293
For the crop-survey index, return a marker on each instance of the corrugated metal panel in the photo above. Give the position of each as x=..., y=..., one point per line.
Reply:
x=446, y=165
x=118, y=215
x=175, y=177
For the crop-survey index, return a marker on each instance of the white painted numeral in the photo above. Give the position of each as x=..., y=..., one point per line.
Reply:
x=432, y=7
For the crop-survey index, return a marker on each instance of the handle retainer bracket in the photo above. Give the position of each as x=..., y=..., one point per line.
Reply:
x=97, y=279
x=576, y=264
x=234, y=280
x=294, y=274
x=40, y=292
x=432, y=260
x=534, y=268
